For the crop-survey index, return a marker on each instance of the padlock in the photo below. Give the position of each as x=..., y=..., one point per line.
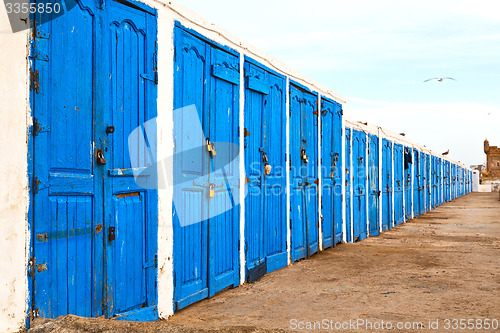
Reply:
x=267, y=169
x=211, y=191
x=209, y=146
x=99, y=156
x=212, y=149
x=264, y=157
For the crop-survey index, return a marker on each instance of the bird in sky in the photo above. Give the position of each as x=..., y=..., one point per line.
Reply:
x=440, y=79
x=446, y=152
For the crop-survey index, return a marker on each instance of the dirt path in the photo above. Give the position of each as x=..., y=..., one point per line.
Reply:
x=442, y=265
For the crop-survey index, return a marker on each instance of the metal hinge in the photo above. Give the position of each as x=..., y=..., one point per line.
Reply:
x=38, y=128
x=34, y=185
x=34, y=81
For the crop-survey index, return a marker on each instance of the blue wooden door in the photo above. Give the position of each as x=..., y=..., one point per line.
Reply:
x=428, y=178
x=422, y=182
x=439, y=178
x=435, y=182
x=303, y=176
x=206, y=211
x=347, y=156
x=373, y=185
x=408, y=181
x=67, y=187
x=331, y=174
x=359, y=185
x=416, y=183
x=265, y=147
x=446, y=180
x=129, y=37
x=386, y=203
x=398, y=184
x=81, y=129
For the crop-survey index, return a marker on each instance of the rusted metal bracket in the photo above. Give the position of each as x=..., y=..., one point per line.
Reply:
x=35, y=183
x=34, y=80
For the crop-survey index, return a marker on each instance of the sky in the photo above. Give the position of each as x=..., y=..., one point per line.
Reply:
x=376, y=54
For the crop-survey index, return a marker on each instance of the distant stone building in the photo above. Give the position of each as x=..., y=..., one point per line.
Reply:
x=492, y=160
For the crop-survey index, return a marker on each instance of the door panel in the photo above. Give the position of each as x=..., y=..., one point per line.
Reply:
x=416, y=183
x=130, y=262
x=223, y=113
x=347, y=156
x=65, y=207
x=331, y=157
x=190, y=224
x=408, y=183
x=359, y=185
x=398, y=184
x=206, y=220
x=387, y=191
x=373, y=183
x=265, y=135
x=303, y=156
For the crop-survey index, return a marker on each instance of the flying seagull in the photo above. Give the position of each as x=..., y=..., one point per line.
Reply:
x=440, y=79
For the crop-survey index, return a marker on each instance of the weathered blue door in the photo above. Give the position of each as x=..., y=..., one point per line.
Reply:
x=265, y=164
x=373, y=184
x=398, y=184
x=348, y=177
x=416, y=182
x=439, y=177
x=386, y=203
x=422, y=182
x=359, y=185
x=425, y=179
x=94, y=233
x=428, y=178
x=206, y=213
x=331, y=172
x=129, y=36
x=435, y=181
x=409, y=160
x=304, y=173
x=446, y=180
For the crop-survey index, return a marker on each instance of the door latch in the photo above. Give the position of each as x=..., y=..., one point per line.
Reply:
x=111, y=234
x=99, y=157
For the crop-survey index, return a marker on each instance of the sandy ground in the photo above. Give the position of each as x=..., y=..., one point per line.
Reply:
x=441, y=266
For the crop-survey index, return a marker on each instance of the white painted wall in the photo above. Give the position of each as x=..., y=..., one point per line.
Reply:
x=14, y=193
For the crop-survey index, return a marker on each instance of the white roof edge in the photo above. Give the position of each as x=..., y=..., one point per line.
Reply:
x=219, y=35
x=397, y=138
